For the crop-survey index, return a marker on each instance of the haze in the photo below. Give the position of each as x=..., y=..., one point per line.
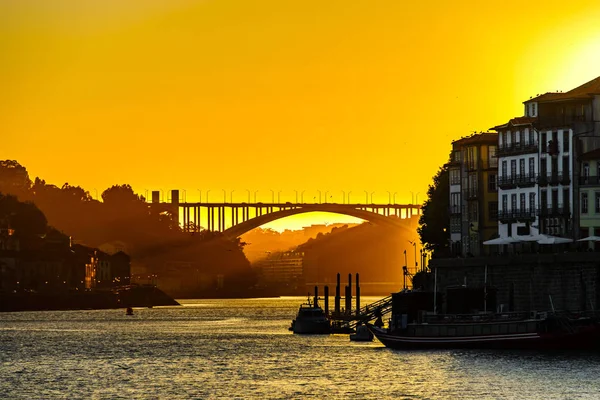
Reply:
x=274, y=96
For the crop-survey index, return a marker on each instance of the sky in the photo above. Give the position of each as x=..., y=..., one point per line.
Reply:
x=274, y=96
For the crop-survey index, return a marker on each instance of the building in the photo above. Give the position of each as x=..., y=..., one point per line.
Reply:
x=538, y=160
x=518, y=167
x=473, y=203
x=589, y=194
x=285, y=268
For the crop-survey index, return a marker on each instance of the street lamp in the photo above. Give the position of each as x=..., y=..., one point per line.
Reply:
x=416, y=263
x=367, y=197
x=296, y=196
x=395, y=193
x=200, y=191
x=372, y=193
x=389, y=196
x=302, y=196
x=319, y=196
x=224, y=195
x=231, y=196
x=248, y=190
x=417, y=198
x=256, y=191
x=272, y=195
x=349, y=196
x=344, y=198
x=327, y=191
x=207, y=192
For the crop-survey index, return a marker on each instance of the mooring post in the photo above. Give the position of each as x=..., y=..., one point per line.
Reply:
x=316, y=302
x=357, y=295
x=337, y=295
x=349, y=295
x=326, y=289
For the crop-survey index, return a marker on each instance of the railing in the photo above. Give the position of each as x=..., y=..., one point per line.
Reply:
x=526, y=214
x=470, y=193
x=558, y=210
x=589, y=180
x=454, y=210
x=552, y=179
x=526, y=180
x=565, y=178
x=507, y=182
x=507, y=216
x=518, y=148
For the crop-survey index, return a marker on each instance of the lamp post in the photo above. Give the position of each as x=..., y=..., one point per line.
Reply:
x=344, y=198
x=279, y=198
x=200, y=191
x=367, y=197
x=349, y=196
x=417, y=198
x=327, y=191
x=248, y=190
x=224, y=195
x=231, y=196
x=412, y=198
x=256, y=191
x=272, y=195
x=302, y=196
x=395, y=193
x=319, y=196
x=389, y=196
x=207, y=192
x=184, y=195
x=416, y=263
x=296, y=196
x=372, y=193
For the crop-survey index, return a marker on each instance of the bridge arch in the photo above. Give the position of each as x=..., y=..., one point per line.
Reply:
x=392, y=222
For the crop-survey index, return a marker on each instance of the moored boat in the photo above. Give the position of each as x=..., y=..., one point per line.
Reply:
x=505, y=331
x=311, y=319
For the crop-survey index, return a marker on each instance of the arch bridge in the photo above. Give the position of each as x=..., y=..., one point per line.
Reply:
x=235, y=219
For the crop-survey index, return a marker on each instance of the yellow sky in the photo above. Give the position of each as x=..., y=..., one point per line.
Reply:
x=274, y=95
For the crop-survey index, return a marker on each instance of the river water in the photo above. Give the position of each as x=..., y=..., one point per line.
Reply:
x=242, y=349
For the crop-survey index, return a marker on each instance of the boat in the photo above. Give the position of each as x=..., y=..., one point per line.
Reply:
x=363, y=334
x=411, y=327
x=310, y=320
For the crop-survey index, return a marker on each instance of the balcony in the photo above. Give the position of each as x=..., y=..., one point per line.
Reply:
x=589, y=180
x=525, y=215
x=526, y=180
x=455, y=210
x=511, y=149
x=507, y=216
x=470, y=193
x=565, y=178
x=549, y=179
x=507, y=182
x=559, y=210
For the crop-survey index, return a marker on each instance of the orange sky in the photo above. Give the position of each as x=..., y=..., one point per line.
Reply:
x=282, y=95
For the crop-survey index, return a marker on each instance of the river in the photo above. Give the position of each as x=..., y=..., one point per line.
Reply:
x=242, y=349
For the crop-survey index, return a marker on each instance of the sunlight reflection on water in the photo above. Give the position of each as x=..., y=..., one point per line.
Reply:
x=242, y=349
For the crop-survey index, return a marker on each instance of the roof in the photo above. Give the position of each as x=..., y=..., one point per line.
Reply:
x=584, y=91
x=478, y=138
x=517, y=121
x=591, y=155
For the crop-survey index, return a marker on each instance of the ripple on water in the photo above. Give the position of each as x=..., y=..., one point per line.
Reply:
x=242, y=349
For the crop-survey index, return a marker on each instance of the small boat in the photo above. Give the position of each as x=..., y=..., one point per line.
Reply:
x=129, y=311
x=310, y=320
x=363, y=334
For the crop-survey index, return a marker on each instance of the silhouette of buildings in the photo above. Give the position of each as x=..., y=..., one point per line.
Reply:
x=473, y=193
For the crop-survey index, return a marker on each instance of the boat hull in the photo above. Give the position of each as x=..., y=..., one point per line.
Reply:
x=583, y=338
x=308, y=327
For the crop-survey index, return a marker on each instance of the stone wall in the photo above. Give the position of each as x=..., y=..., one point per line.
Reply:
x=528, y=282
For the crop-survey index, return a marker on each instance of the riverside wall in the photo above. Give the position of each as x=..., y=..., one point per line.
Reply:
x=527, y=282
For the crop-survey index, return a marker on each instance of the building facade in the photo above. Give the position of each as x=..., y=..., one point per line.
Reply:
x=473, y=193
x=538, y=162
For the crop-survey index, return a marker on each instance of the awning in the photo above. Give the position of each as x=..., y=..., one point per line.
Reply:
x=590, y=239
x=501, y=241
x=547, y=239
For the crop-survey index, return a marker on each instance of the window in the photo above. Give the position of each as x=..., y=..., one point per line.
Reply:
x=544, y=200
x=565, y=141
x=565, y=166
x=522, y=166
x=504, y=202
x=531, y=166
x=531, y=202
x=584, y=203
x=597, y=202
x=455, y=177
x=586, y=169
x=493, y=210
x=522, y=201
x=513, y=168
x=544, y=143
x=455, y=203
x=513, y=202
x=492, y=183
x=504, y=169
x=492, y=159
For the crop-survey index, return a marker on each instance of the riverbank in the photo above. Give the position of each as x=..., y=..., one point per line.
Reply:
x=127, y=296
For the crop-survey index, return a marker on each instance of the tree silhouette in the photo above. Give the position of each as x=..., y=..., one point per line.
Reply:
x=434, y=221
